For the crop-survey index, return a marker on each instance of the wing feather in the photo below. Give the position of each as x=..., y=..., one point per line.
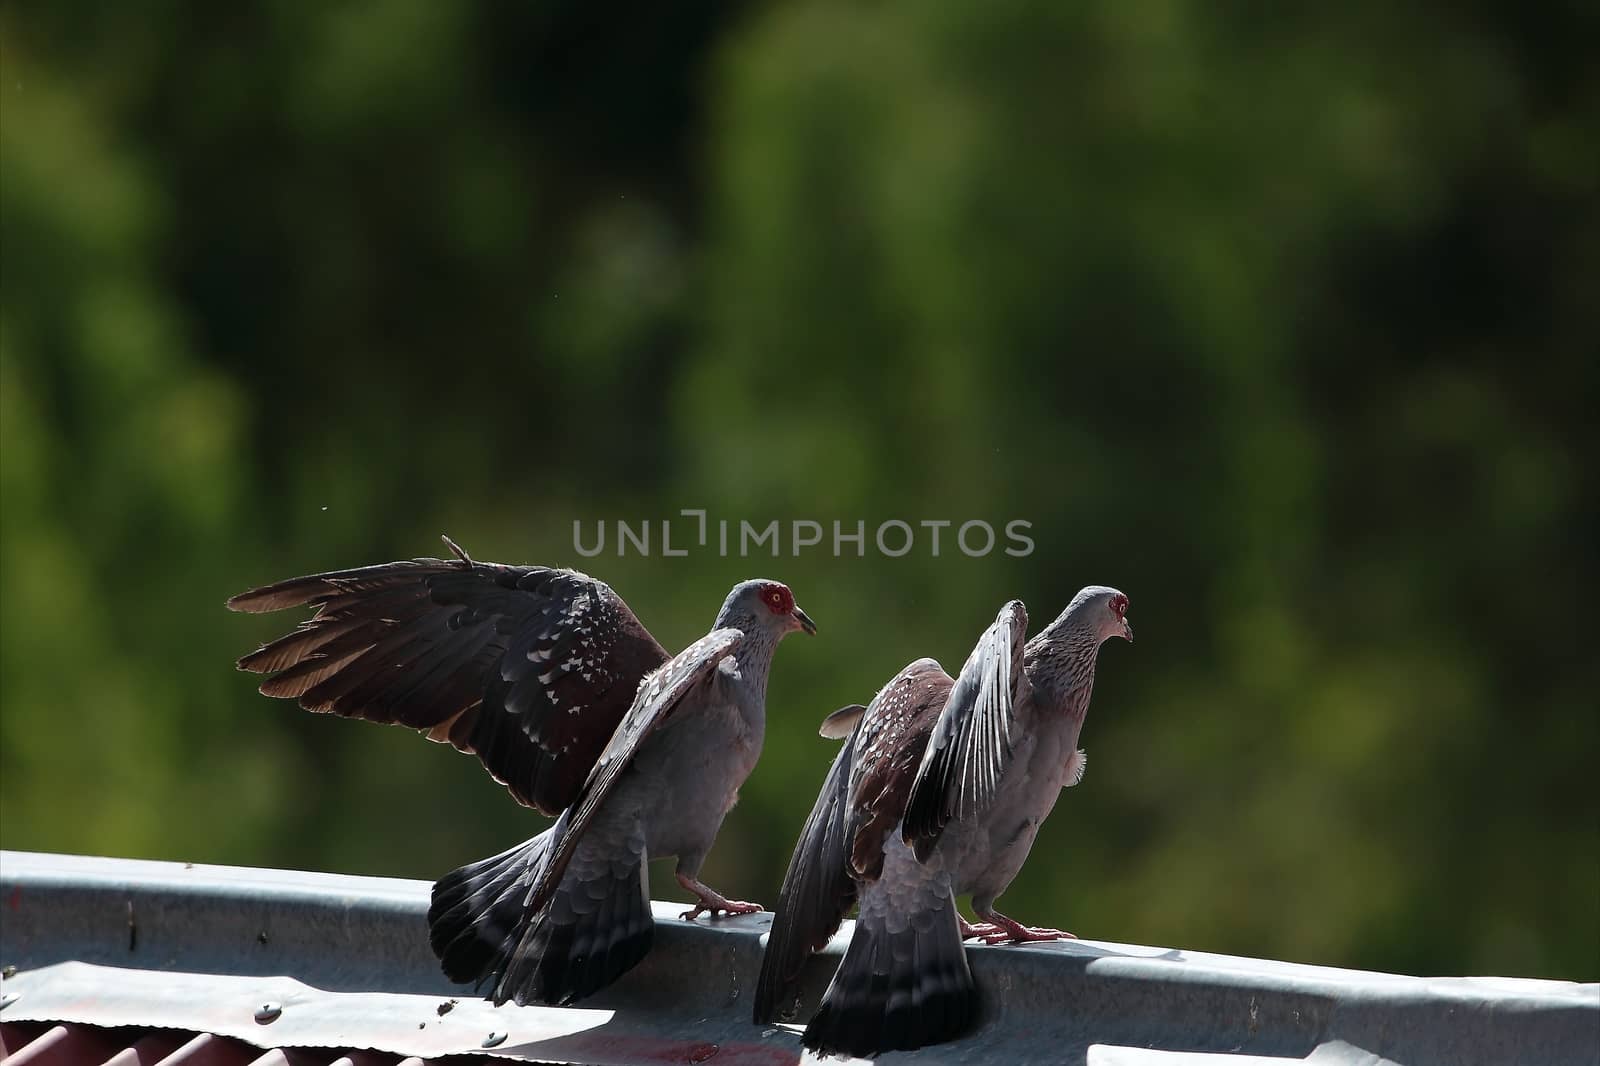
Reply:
x=860, y=804
x=971, y=743
x=528, y=667
x=818, y=889
x=893, y=736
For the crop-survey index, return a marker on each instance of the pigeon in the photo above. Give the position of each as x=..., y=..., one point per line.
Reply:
x=938, y=792
x=567, y=700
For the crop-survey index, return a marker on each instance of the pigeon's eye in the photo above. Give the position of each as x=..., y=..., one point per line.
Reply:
x=778, y=599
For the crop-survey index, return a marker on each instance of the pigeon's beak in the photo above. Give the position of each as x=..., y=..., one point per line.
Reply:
x=1127, y=631
x=805, y=622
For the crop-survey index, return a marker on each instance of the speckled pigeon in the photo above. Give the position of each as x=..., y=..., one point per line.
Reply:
x=547, y=677
x=938, y=792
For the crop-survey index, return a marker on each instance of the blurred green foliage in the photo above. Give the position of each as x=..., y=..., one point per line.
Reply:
x=1283, y=321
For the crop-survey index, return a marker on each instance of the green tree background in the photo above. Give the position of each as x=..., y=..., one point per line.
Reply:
x=1283, y=321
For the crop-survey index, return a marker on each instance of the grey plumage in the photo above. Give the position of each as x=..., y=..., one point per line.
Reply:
x=938, y=792
x=550, y=679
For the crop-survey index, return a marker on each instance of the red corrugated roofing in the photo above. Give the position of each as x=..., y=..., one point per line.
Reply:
x=44, y=1044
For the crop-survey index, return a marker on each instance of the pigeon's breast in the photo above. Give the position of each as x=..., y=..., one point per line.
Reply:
x=698, y=764
x=988, y=851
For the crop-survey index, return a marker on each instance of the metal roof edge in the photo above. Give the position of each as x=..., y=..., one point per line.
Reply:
x=1051, y=1002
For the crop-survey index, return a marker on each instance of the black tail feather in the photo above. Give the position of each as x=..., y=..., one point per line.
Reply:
x=477, y=912
x=896, y=991
x=591, y=932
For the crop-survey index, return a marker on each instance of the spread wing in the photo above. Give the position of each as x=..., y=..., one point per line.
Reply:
x=528, y=667
x=890, y=748
x=817, y=889
x=860, y=804
x=659, y=696
x=971, y=742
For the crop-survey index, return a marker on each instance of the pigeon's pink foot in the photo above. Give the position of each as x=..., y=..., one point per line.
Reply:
x=1002, y=930
x=714, y=905
x=982, y=929
x=712, y=901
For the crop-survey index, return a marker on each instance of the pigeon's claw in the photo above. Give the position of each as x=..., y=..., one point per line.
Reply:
x=1025, y=934
x=719, y=906
x=1002, y=930
x=982, y=929
x=712, y=902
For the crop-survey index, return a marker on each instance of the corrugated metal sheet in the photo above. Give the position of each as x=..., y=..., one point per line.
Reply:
x=43, y=1044
x=280, y=1012
x=341, y=966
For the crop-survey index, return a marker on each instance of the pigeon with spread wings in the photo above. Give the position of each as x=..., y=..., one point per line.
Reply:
x=567, y=699
x=938, y=792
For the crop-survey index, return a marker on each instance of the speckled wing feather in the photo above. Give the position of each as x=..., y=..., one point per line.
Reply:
x=890, y=746
x=659, y=696
x=529, y=668
x=841, y=846
x=817, y=890
x=971, y=743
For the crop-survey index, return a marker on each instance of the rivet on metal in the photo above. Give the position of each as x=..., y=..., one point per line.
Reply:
x=494, y=1040
x=268, y=1012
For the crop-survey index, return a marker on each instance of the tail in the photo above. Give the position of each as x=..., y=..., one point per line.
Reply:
x=595, y=928
x=904, y=983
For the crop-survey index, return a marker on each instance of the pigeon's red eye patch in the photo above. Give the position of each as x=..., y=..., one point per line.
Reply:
x=1119, y=605
x=778, y=598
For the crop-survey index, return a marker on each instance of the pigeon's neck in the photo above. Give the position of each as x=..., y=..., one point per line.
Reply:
x=753, y=657
x=1060, y=664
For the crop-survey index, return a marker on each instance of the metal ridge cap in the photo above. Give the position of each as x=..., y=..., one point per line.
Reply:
x=1111, y=958
x=100, y=871
x=154, y=876
x=367, y=935
x=1173, y=972
x=1108, y=959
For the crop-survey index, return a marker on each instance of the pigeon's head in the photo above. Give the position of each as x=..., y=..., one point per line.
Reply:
x=1102, y=610
x=764, y=605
